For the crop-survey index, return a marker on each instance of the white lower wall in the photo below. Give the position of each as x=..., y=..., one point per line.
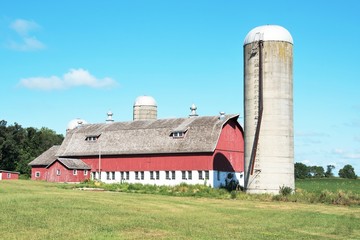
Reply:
x=214, y=179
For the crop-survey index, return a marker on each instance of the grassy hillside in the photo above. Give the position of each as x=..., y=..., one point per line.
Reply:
x=38, y=210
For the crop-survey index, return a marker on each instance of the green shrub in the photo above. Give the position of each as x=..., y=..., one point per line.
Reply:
x=285, y=191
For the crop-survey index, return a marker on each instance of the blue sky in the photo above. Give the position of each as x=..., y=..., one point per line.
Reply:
x=62, y=60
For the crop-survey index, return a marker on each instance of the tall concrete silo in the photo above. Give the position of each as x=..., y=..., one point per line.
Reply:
x=145, y=108
x=268, y=106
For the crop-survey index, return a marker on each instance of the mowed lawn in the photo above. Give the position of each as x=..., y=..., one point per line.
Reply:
x=39, y=210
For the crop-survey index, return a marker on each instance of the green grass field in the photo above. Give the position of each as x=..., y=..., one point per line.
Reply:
x=39, y=210
x=330, y=184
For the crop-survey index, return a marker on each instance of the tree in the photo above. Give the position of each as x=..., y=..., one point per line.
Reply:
x=301, y=171
x=317, y=171
x=329, y=172
x=347, y=172
x=19, y=146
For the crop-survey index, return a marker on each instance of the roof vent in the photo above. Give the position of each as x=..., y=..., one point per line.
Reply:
x=222, y=116
x=109, y=119
x=193, y=111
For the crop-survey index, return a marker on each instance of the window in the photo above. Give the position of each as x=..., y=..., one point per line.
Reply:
x=127, y=175
x=108, y=175
x=167, y=174
x=85, y=172
x=112, y=175
x=74, y=172
x=183, y=175
x=8, y=175
x=157, y=175
x=37, y=174
x=58, y=172
x=173, y=175
x=177, y=134
x=122, y=176
x=207, y=175
x=91, y=138
x=93, y=175
x=152, y=175
x=142, y=175
x=218, y=175
x=200, y=175
x=189, y=175
x=137, y=175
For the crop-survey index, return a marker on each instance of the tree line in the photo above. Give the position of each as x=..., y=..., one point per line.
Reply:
x=19, y=146
x=303, y=171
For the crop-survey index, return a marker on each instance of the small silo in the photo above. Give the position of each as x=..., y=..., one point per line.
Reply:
x=145, y=108
x=268, y=106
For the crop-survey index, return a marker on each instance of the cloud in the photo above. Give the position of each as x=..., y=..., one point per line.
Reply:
x=26, y=42
x=23, y=27
x=311, y=134
x=346, y=154
x=73, y=78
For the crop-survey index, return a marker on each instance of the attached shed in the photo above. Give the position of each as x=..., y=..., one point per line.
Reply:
x=49, y=167
x=67, y=170
x=9, y=175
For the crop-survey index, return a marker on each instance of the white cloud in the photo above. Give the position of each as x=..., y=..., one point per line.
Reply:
x=23, y=28
x=73, y=78
x=27, y=44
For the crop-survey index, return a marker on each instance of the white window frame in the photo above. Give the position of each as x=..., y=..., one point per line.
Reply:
x=173, y=175
x=207, y=175
x=183, y=175
x=189, y=175
x=201, y=177
x=137, y=175
x=85, y=172
x=74, y=172
x=142, y=175
x=157, y=175
x=37, y=174
x=8, y=175
x=167, y=175
x=107, y=175
x=127, y=175
x=152, y=175
x=112, y=175
x=58, y=172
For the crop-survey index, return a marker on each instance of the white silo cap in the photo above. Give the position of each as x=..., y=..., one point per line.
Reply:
x=145, y=101
x=75, y=123
x=268, y=33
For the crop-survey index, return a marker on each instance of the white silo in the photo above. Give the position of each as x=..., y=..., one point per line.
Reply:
x=145, y=108
x=268, y=106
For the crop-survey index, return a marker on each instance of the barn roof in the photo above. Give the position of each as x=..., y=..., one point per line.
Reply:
x=71, y=163
x=5, y=171
x=46, y=157
x=201, y=134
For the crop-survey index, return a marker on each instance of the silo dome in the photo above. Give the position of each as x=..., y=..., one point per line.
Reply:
x=75, y=123
x=145, y=101
x=145, y=108
x=268, y=33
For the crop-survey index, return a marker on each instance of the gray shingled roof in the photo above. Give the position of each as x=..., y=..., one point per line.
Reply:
x=145, y=137
x=71, y=163
x=46, y=157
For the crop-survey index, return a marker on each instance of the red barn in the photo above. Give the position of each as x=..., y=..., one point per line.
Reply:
x=193, y=150
x=8, y=175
